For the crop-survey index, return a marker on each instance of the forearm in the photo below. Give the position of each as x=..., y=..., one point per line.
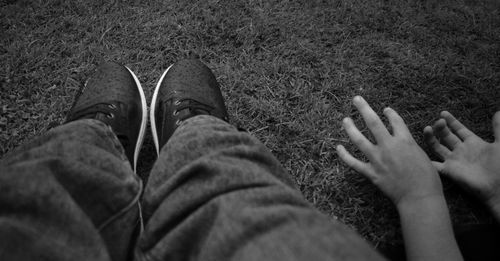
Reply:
x=427, y=230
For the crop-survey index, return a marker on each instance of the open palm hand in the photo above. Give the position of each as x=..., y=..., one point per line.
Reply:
x=467, y=159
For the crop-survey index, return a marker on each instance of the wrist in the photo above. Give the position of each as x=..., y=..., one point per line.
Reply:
x=417, y=202
x=426, y=188
x=427, y=228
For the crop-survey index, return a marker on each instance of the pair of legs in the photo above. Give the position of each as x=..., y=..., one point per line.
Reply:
x=214, y=193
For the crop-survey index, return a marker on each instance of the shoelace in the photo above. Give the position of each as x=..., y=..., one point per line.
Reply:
x=92, y=111
x=194, y=107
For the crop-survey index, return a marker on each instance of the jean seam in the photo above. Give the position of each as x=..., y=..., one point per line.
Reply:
x=124, y=210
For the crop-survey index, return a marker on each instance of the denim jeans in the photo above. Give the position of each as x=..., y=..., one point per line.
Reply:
x=214, y=193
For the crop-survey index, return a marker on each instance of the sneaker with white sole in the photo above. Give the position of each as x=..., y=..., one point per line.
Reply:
x=186, y=89
x=114, y=95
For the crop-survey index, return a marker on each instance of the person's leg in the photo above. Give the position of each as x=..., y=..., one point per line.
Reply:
x=216, y=193
x=65, y=194
x=71, y=194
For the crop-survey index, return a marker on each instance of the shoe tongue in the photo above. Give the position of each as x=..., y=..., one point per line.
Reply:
x=95, y=111
x=197, y=108
x=199, y=111
x=100, y=116
x=185, y=113
x=190, y=112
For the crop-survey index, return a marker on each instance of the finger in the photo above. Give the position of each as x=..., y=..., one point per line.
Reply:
x=372, y=120
x=439, y=166
x=456, y=126
x=444, y=134
x=354, y=163
x=398, y=125
x=357, y=137
x=433, y=142
x=496, y=125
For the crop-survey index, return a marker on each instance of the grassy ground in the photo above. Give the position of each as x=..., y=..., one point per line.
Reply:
x=288, y=70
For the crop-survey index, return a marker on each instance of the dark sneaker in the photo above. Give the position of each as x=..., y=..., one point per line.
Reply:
x=186, y=89
x=114, y=96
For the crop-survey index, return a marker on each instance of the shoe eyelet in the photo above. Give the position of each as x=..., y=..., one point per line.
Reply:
x=110, y=115
x=177, y=102
x=178, y=122
x=112, y=106
x=175, y=113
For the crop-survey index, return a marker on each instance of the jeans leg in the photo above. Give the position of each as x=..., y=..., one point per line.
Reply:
x=218, y=194
x=69, y=195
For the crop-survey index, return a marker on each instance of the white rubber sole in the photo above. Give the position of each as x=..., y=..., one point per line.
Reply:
x=144, y=119
x=152, y=112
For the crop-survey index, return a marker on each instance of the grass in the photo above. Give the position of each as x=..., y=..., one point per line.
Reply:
x=288, y=70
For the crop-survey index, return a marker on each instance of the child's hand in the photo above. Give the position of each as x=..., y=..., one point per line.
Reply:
x=397, y=165
x=469, y=160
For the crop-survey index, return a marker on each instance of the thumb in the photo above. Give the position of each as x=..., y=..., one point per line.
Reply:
x=449, y=174
x=439, y=166
x=496, y=126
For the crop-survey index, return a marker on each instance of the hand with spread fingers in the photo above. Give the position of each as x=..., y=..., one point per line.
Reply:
x=397, y=165
x=468, y=159
x=402, y=170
